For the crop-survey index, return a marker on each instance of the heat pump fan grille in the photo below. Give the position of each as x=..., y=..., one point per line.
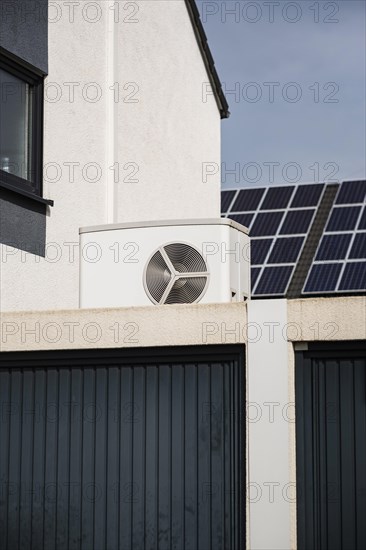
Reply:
x=176, y=274
x=185, y=258
x=186, y=291
x=159, y=277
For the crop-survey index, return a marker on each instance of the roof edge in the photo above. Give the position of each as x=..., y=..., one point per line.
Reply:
x=207, y=57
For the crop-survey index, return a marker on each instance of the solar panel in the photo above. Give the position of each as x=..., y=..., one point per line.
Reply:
x=259, y=249
x=358, y=249
x=254, y=272
x=226, y=198
x=335, y=267
x=277, y=198
x=323, y=278
x=307, y=195
x=248, y=200
x=362, y=223
x=351, y=192
x=343, y=218
x=279, y=221
x=274, y=281
x=266, y=224
x=354, y=277
x=286, y=250
x=244, y=219
x=297, y=222
x=334, y=247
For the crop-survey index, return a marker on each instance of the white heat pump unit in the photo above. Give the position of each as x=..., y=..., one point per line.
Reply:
x=169, y=262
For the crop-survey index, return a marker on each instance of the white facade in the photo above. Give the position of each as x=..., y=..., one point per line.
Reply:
x=129, y=130
x=127, y=133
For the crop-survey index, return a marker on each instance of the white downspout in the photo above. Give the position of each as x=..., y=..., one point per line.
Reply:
x=111, y=118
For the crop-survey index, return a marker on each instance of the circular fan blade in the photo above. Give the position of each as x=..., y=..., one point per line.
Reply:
x=186, y=291
x=185, y=258
x=157, y=277
x=170, y=275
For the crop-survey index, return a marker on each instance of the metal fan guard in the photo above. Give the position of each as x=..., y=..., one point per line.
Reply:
x=176, y=273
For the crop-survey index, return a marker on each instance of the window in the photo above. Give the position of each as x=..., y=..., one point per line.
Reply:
x=21, y=126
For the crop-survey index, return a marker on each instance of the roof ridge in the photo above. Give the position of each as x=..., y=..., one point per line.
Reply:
x=208, y=59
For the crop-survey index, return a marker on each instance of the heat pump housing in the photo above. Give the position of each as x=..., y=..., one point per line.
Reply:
x=168, y=262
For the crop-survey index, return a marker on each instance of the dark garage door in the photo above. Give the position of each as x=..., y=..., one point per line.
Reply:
x=122, y=450
x=331, y=446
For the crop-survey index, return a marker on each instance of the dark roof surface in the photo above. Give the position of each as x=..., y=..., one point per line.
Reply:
x=207, y=58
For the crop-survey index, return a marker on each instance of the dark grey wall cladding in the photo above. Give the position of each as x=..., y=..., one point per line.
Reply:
x=24, y=30
x=22, y=223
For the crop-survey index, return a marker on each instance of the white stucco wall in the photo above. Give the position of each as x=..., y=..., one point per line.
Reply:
x=170, y=131
x=91, y=126
x=268, y=488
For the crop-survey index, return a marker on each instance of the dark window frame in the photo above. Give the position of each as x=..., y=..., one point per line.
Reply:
x=35, y=78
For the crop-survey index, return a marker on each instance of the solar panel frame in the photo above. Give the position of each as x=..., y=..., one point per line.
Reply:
x=347, y=189
x=358, y=245
x=293, y=245
x=329, y=250
x=275, y=232
x=264, y=251
x=281, y=235
x=338, y=223
x=230, y=195
x=268, y=223
x=282, y=280
x=254, y=274
x=281, y=201
x=296, y=214
x=350, y=273
x=333, y=270
x=254, y=196
x=353, y=230
x=245, y=219
x=305, y=199
x=362, y=221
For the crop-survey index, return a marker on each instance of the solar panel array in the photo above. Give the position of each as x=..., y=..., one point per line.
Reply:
x=339, y=264
x=279, y=220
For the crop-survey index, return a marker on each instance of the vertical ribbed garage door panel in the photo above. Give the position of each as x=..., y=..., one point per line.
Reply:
x=76, y=431
x=152, y=427
x=217, y=457
x=115, y=456
x=331, y=449
x=4, y=452
x=190, y=440
x=360, y=454
x=15, y=453
x=164, y=450
x=177, y=506
x=125, y=493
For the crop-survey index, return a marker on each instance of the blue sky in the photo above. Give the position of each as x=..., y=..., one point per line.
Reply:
x=297, y=75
